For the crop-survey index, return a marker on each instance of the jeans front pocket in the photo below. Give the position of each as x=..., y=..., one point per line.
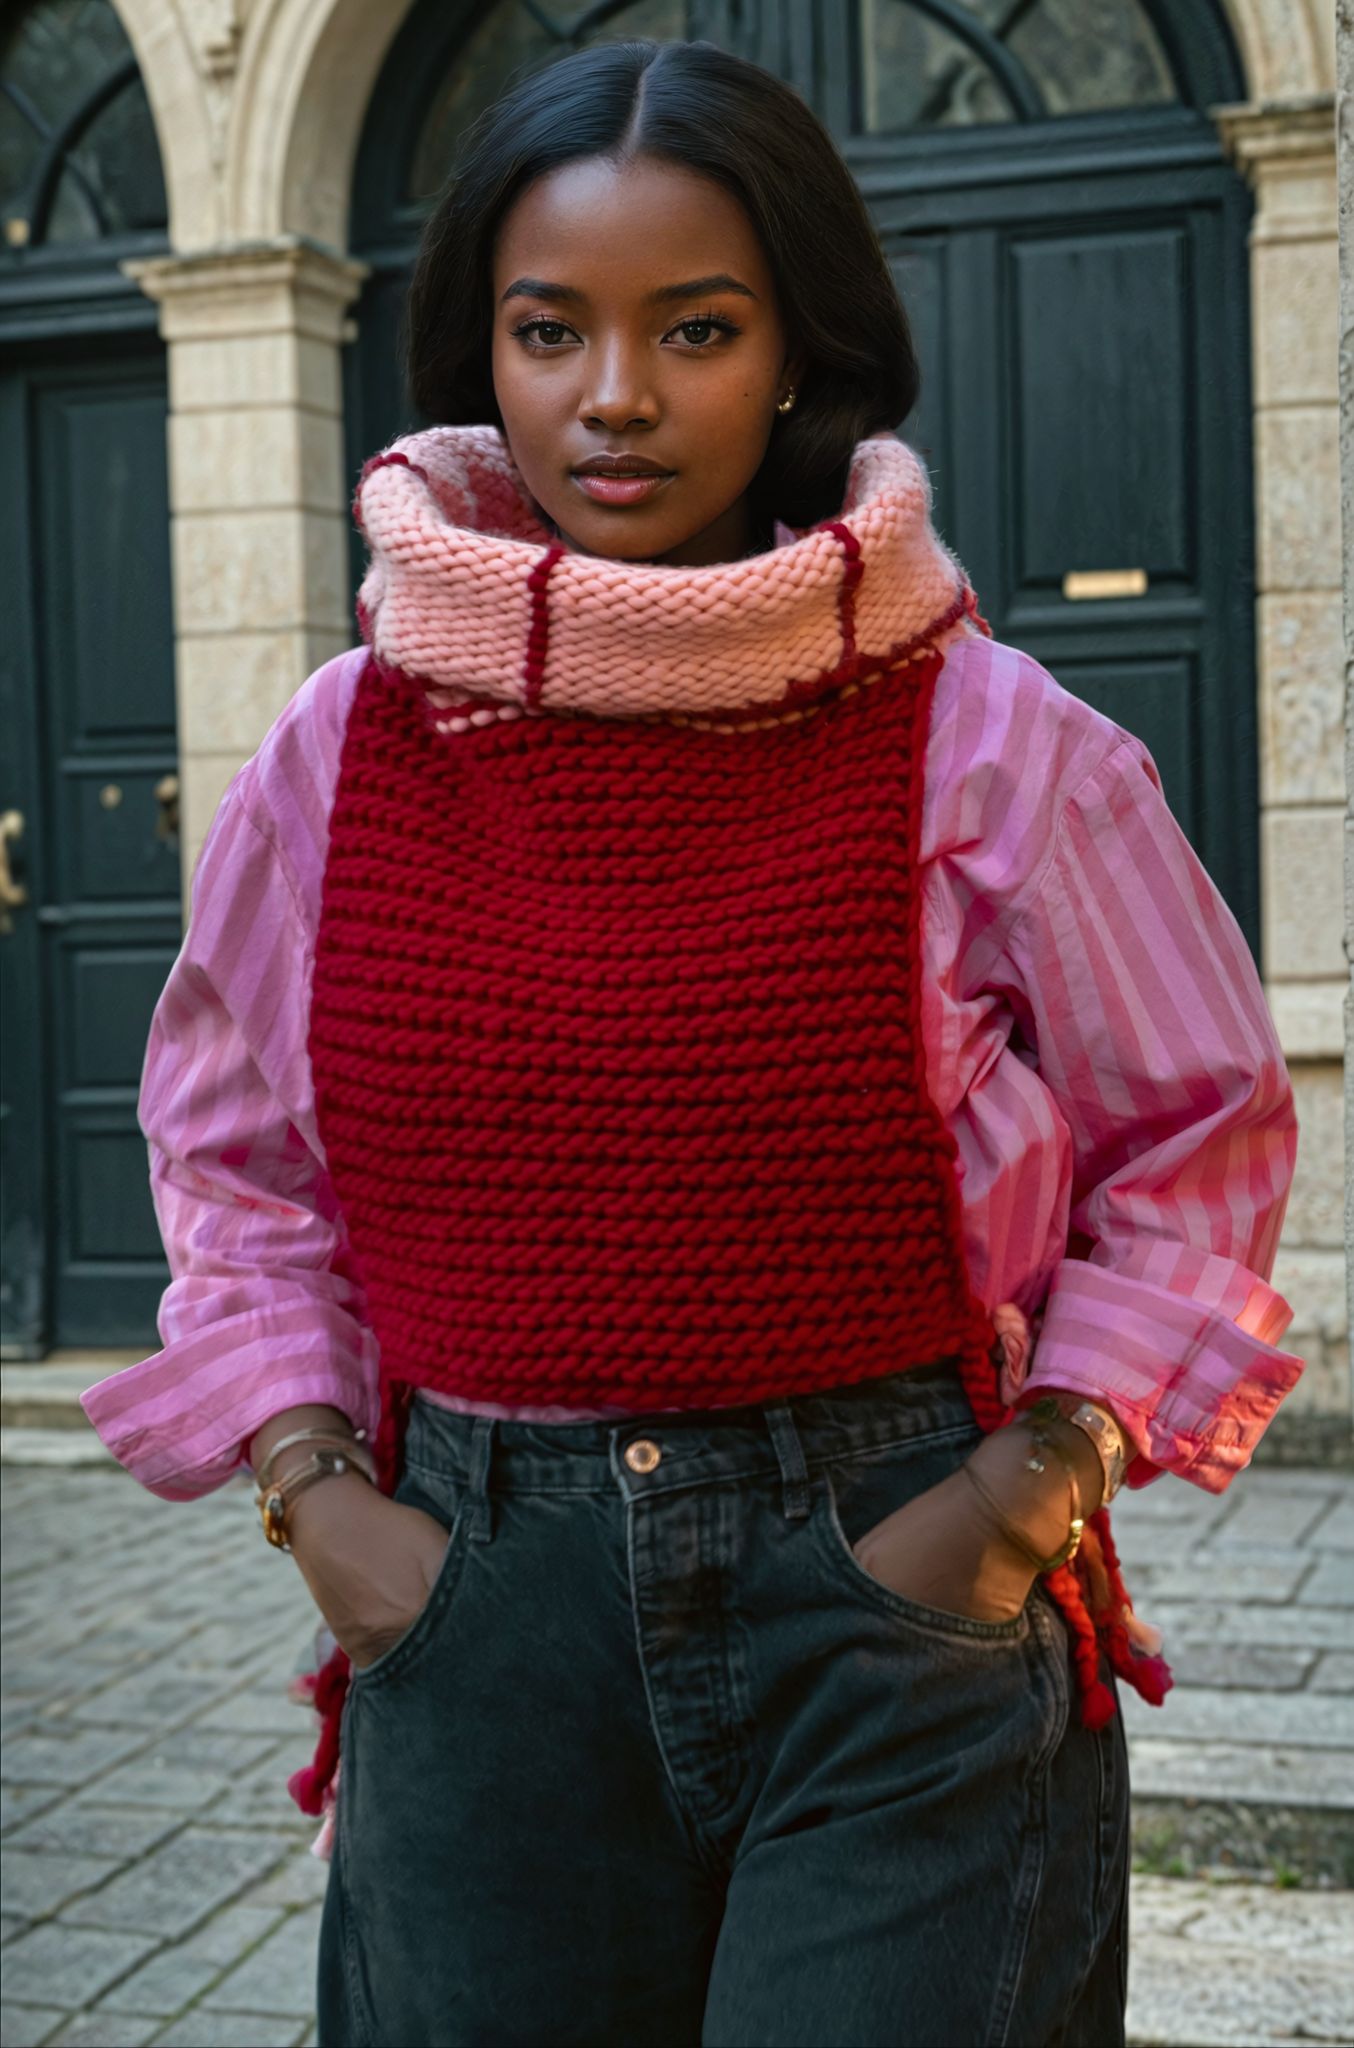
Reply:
x=442, y=1497
x=856, y=1493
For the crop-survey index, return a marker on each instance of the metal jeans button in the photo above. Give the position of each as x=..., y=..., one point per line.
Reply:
x=643, y=1454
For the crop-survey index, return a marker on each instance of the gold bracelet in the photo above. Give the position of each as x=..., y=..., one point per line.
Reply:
x=275, y=1502
x=318, y=1433
x=1043, y=1441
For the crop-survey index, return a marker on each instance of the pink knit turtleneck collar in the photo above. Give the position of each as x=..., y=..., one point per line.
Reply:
x=467, y=592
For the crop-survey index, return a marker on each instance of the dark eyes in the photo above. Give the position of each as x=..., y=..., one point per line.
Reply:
x=542, y=335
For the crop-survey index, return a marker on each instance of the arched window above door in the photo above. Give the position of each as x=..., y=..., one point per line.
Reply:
x=940, y=63
x=870, y=68
x=79, y=156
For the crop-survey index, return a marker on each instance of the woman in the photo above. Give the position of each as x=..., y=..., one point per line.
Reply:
x=690, y=998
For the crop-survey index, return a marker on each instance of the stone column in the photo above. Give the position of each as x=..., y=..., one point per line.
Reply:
x=257, y=491
x=1288, y=153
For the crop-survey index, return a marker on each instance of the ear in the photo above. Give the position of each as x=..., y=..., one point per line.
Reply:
x=796, y=368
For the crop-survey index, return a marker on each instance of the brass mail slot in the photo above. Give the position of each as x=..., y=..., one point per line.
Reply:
x=1104, y=583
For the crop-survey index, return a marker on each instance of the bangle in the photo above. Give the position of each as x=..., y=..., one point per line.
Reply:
x=1034, y=1463
x=275, y=1501
x=320, y=1432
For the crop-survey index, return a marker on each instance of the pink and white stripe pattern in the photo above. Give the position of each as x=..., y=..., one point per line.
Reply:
x=1095, y=1035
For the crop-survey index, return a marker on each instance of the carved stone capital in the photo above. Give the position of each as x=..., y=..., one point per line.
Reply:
x=284, y=283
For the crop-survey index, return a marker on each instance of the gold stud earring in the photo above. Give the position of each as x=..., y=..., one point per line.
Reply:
x=788, y=401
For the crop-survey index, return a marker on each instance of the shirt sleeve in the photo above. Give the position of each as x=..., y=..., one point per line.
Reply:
x=264, y=1310
x=1141, y=1008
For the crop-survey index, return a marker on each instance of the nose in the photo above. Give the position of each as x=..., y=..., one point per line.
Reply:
x=617, y=392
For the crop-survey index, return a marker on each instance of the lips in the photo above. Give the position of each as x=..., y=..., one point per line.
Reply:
x=622, y=481
x=620, y=465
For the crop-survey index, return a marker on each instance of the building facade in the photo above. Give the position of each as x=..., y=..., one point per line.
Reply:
x=1114, y=224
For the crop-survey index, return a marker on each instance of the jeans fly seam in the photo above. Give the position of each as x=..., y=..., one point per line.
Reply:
x=703, y=1849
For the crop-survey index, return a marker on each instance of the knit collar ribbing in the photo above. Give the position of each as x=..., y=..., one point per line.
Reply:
x=468, y=593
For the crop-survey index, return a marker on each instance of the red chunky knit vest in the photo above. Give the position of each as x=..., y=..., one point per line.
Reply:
x=617, y=1053
x=616, y=1010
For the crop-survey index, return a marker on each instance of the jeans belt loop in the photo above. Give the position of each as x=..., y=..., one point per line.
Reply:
x=790, y=1453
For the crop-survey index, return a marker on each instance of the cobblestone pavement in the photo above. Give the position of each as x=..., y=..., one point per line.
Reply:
x=156, y=1881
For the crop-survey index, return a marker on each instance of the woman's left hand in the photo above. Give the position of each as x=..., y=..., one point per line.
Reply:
x=947, y=1549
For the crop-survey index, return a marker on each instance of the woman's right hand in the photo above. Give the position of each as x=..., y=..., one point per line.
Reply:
x=370, y=1562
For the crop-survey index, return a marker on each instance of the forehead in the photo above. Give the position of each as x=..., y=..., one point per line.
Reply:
x=604, y=228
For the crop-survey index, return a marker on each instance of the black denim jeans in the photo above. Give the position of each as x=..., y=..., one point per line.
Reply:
x=660, y=1762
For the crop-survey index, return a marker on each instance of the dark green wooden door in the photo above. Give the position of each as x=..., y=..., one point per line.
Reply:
x=1086, y=420
x=1071, y=246
x=86, y=681
x=87, y=699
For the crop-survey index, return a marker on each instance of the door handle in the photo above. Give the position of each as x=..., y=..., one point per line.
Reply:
x=12, y=894
x=167, y=797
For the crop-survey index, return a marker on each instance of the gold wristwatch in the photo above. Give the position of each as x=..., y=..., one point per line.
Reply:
x=1100, y=1426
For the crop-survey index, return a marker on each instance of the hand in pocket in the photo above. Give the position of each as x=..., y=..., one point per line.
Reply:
x=370, y=1562
x=942, y=1550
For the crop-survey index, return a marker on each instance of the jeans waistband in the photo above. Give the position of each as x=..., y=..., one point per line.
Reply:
x=694, y=1446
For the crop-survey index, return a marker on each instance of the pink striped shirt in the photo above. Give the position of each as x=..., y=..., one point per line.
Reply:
x=1095, y=1035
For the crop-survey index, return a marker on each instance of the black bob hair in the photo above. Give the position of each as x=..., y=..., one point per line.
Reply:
x=693, y=104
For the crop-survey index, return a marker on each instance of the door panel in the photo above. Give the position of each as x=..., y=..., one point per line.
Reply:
x=1100, y=385
x=90, y=679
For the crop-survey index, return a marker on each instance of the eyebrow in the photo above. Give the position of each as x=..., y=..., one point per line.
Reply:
x=693, y=287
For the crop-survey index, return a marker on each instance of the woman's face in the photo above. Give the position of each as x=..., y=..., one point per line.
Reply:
x=635, y=315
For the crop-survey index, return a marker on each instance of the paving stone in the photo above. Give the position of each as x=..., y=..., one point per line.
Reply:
x=1200, y=1621
x=202, y=2029
x=1163, y=1768
x=35, y=1884
x=162, y=1986
x=10, y=1925
x=261, y=1799
x=120, y=1832
x=25, y=2026
x=279, y=1976
x=1300, y=1720
x=1335, y=1673
x=253, y=1712
x=1283, y=1519
x=1180, y=1998
x=73, y=1965
x=19, y=1803
x=182, y=1972
x=57, y=1756
x=107, y=2030
x=181, y=1791
x=179, y=1884
x=300, y=1882
x=1331, y=1582
x=1242, y=1580
x=151, y=1694
x=1251, y=1916
x=1164, y=1501
x=1239, y=1666
x=1336, y=1530
x=187, y=1769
